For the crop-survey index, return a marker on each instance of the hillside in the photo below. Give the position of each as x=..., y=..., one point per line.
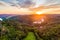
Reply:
x=29, y=19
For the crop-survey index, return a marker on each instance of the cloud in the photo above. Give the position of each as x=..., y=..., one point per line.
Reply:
x=19, y=3
x=31, y=3
x=50, y=11
x=26, y=3
x=19, y=6
x=3, y=3
x=46, y=2
x=7, y=9
x=13, y=10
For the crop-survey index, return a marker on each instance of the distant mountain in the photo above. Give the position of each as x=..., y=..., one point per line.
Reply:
x=5, y=15
x=29, y=19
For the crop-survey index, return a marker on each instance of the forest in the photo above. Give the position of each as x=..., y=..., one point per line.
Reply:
x=14, y=30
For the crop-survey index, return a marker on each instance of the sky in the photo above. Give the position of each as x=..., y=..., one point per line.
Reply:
x=23, y=6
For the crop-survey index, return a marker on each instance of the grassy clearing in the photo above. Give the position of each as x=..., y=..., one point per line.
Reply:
x=30, y=36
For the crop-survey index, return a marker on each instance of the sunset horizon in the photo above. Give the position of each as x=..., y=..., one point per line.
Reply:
x=29, y=19
x=6, y=7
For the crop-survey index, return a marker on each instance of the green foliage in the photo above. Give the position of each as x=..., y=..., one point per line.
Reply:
x=14, y=30
x=51, y=32
x=4, y=37
x=30, y=36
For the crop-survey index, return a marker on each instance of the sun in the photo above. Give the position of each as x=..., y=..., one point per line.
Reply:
x=39, y=12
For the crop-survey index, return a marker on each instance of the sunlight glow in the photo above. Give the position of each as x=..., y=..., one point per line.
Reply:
x=49, y=11
x=39, y=12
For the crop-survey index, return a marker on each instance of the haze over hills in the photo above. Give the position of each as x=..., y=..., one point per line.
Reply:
x=34, y=18
x=6, y=15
